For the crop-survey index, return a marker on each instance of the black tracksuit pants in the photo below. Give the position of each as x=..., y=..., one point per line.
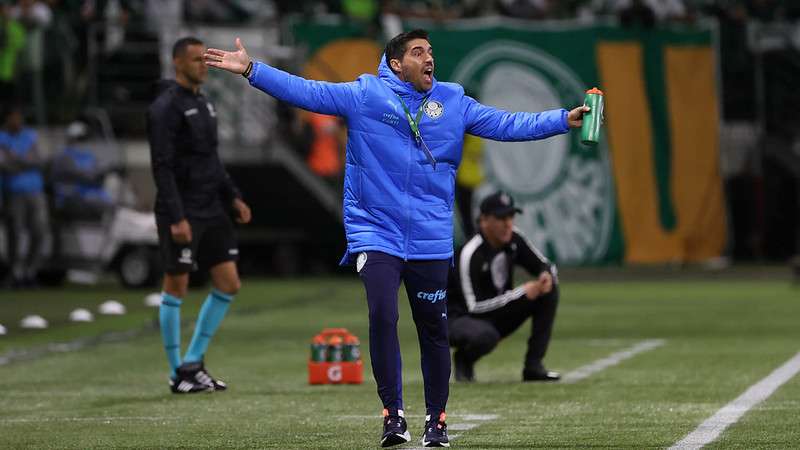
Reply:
x=474, y=336
x=426, y=288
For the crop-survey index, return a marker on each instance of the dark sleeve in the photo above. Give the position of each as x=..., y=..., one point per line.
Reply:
x=228, y=190
x=480, y=297
x=529, y=257
x=162, y=123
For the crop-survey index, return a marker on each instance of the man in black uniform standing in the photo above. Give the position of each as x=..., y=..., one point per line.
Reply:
x=484, y=307
x=194, y=200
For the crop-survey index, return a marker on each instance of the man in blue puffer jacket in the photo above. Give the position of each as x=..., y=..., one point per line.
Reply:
x=404, y=139
x=27, y=199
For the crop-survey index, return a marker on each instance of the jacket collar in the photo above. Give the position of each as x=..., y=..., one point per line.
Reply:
x=172, y=84
x=402, y=88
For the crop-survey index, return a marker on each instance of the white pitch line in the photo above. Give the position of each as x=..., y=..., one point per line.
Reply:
x=711, y=428
x=462, y=426
x=71, y=346
x=612, y=360
x=479, y=417
x=87, y=419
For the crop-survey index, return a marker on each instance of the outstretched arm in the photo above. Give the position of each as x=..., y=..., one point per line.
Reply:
x=492, y=123
x=340, y=99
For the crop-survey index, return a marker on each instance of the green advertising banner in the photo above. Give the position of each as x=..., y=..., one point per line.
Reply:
x=650, y=192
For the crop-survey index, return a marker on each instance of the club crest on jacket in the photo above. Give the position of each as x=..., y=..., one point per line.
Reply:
x=434, y=109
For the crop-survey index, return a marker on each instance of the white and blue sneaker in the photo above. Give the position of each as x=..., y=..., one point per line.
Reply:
x=435, y=434
x=395, y=429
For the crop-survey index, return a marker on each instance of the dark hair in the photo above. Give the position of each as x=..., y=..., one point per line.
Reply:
x=182, y=43
x=396, y=48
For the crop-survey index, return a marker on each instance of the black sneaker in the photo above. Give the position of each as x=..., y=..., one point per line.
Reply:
x=435, y=434
x=203, y=374
x=178, y=386
x=190, y=379
x=395, y=429
x=540, y=374
x=465, y=369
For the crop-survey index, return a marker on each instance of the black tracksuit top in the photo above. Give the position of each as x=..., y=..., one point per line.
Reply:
x=481, y=280
x=191, y=181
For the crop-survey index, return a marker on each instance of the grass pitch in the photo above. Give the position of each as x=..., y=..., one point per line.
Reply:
x=110, y=390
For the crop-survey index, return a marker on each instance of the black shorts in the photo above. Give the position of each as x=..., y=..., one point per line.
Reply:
x=213, y=242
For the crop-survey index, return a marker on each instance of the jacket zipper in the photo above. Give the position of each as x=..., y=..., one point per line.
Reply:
x=409, y=145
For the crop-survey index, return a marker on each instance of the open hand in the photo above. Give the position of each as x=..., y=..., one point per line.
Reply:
x=235, y=62
x=575, y=117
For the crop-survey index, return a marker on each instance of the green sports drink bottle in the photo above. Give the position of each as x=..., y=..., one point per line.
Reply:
x=335, y=348
x=319, y=349
x=351, y=350
x=592, y=120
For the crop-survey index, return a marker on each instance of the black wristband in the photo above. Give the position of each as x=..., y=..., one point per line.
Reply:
x=247, y=71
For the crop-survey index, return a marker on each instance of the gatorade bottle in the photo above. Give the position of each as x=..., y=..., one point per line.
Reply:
x=319, y=349
x=592, y=120
x=352, y=350
x=335, y=349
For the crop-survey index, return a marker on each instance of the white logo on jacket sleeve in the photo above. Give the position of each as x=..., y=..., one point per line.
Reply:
x=360, y=261
x=434, y=109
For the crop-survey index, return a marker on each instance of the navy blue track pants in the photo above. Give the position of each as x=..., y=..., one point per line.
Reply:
x=426, y=287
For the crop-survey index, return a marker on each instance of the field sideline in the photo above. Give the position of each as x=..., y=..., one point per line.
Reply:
x=715, y=340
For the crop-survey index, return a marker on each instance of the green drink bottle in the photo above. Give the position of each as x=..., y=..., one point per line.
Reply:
x=352, y=350
x=319, y=349
x=592, y=120
x=335, y=352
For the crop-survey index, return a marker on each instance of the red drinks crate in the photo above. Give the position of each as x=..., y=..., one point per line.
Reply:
x=335, y=358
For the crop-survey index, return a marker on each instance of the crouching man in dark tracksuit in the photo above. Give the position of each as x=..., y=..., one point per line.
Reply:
x=484, y=306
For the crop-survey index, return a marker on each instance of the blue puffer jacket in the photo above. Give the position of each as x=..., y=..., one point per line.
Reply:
x=395, y=201
x=20, y=144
